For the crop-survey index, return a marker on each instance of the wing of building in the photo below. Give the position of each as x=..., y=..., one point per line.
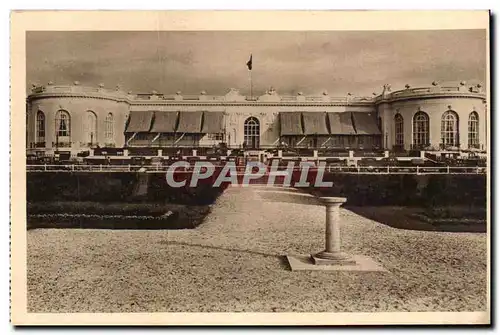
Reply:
x=74, y=118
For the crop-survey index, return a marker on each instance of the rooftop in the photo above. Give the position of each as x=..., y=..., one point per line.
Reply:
x=271, y=95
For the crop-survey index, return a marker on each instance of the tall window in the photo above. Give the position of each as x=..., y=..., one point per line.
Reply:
x=421, y=129
x=449, y=129
x=40, y=127
x=252, y=132
x=108, y=127
x=91, y=127
x=399, y=124
x=63, y=124
x=473, y=130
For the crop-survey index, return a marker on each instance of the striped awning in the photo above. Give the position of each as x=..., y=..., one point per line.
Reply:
x=341, y=123
x=139, y=121
x=291, y=123
x=315, y=123
x=190, y=122
x=164, y=122
x=213, y=122
x=365, y=123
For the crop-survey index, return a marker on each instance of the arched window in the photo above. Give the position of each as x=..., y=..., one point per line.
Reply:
x=420, y=130
x=449, y=129
x=109, y=128
x=399, y=131
x=473, y=130
x=91, y=128
x=252, y=132
x=40, y=127
x=63, y=125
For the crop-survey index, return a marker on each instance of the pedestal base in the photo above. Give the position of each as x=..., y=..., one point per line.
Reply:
x=328, y=258
x=358, y=263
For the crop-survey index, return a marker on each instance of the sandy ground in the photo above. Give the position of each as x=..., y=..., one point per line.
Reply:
x=234, y=262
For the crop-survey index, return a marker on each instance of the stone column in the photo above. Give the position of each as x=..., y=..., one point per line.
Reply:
x=332, y=254
x=280, y=153
x=195, y=152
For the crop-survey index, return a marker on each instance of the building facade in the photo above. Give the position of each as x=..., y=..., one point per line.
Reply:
x=74, y=118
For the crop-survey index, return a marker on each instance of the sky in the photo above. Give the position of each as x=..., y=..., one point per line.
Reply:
x=311, y=62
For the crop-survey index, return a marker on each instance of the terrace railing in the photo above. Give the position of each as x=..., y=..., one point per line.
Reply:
x=332, y=168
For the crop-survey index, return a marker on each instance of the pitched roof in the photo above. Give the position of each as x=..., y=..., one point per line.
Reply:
x=190, y=122
x=315, y=123
x=341, y=123
x=213, y=122
x=164, y=122
x=139, y=121
x=291, y=123
x=365, y=123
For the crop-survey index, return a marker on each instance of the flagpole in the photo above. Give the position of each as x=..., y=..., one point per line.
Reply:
x=251, y=86
x=249, y=65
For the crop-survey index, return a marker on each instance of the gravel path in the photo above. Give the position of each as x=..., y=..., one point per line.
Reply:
x=233, y=262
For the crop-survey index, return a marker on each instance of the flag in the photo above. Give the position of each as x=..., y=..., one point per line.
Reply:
x=249, y=63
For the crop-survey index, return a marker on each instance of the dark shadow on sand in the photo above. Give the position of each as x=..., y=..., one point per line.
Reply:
x=401, y=218
x=282, y=259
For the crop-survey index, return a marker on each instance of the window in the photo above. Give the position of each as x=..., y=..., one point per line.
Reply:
x=63, y=124
x=473, y=140
x=449, y=129
x=399, y=131
x=291, y=141
x=252, y=132
x=336, y=141
x=142, y=137
x=109, y=128
x=215, y=137
x=361, y=141
x=91, y=127
x=420, y=129
x=40, y=127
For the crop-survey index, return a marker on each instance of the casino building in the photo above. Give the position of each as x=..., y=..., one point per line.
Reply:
x=74, y=118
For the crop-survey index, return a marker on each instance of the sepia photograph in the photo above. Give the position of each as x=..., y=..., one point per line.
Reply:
x=263, y=175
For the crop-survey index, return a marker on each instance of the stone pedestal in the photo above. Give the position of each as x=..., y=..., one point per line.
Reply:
x=332, y=258
x=195, y=152
x=332, y=254
x=160, y=152
x=280, y=153
x=125, y=152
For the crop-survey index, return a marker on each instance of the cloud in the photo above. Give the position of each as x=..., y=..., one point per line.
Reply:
x=340, y=62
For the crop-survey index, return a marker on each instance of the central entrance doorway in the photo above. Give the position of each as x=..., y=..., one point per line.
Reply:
x=251, y=132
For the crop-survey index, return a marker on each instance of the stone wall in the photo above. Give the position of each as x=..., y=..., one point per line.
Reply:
x=407, y=190
x=373, y=190
x=114, y=187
